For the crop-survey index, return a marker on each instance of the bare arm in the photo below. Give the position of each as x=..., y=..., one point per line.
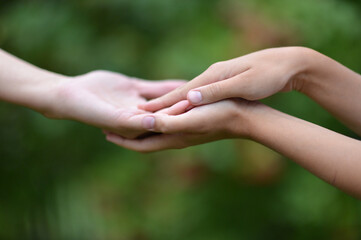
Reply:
x=331, y=156
x=100, y=98
x=24, y=84
x=264, y=73
x=333, y=86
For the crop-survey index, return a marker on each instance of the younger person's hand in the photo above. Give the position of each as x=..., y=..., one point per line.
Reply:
x=252, y=77
x=224, y=119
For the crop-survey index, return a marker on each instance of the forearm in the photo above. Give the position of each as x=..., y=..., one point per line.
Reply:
x=333, y=86
x=331, y=156
x=24, y=84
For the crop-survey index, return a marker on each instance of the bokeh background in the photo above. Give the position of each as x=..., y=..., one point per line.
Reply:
x=62, y=180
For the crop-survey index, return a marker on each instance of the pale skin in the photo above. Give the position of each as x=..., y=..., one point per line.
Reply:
x=109, y=101
x=329, y=155
x=103, y=99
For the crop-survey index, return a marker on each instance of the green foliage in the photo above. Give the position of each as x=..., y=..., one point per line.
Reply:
x=62, y=180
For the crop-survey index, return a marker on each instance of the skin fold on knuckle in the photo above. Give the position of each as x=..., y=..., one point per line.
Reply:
x=248, y=89
x=162, y=125
x=216, y=66
x=213, y=91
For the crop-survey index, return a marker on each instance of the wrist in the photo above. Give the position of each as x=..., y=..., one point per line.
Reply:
x=27, y=85
x=262, y=120
x=46, y=98
x=305, y=68
x=249, y=118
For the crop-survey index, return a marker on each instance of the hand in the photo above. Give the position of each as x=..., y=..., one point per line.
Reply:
x=252, y=77
x=107, y=100
x=224, y=119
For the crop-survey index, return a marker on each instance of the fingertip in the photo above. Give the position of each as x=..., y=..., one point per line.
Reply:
x=109, y=137
x=148, y=122
x=194, y=97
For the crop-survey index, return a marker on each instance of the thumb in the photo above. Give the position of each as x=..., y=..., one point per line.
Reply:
x=212, y=74
x=212, y=93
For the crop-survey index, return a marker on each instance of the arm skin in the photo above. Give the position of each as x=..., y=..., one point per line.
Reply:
x=334, y=87
x=329, y=155
x=261, y=74
x=100, y=98
x=26, y=85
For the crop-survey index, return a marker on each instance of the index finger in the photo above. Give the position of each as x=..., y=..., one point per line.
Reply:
x=211, y=75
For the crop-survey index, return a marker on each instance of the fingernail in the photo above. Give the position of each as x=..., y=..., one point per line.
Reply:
x=148, y=122
x=194, y=97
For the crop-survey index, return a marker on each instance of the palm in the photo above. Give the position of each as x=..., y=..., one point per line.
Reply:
x=109, y=100
x=109, y=90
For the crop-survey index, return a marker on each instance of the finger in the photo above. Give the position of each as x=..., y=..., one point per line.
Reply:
x=217, y=72
x=128, y=120
x=212, y=74
x=154, y=89
x=169, y=124
x=236, y=86
x=150, y=144
x=105, y=131
x=178, y=108
x=214, y=92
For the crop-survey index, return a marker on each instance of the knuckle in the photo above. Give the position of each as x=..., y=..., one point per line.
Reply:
x=249, y=89
x=250, y=93
x=161, y=126
x=98, y=72
x=216, y=66
x=213, y=90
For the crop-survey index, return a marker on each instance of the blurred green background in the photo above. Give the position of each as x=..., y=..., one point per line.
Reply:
x=62, y=180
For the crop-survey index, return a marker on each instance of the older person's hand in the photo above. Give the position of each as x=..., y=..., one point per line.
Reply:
x=107, y=100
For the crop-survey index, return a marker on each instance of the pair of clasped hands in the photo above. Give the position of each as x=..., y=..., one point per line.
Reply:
x=220, y=103
x=215, y=105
